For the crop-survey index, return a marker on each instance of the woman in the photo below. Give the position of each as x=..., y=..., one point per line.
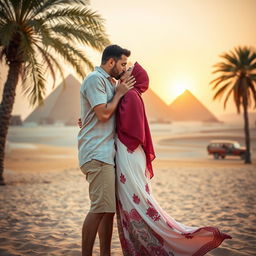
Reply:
x=144, y=228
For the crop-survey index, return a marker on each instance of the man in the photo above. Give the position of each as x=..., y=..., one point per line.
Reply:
x=99, y=100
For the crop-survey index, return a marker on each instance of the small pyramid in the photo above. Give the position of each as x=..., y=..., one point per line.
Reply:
x=187, y=107
x=62, y=105
x=156, y=109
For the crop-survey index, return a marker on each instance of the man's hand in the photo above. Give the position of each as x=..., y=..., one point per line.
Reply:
x=124, y=85
x=79, y=122
x=105, y=111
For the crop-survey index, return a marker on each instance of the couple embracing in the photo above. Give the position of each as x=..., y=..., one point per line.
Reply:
x=115, y=154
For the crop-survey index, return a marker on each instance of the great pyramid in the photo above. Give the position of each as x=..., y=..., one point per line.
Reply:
x=62, y=105
x=156, y=109
x=187, y=107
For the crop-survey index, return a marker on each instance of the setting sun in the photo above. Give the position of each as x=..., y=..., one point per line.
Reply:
x=179, y=89
x=178, y=86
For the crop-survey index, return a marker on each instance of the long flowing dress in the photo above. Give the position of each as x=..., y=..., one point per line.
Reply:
x=144, y=227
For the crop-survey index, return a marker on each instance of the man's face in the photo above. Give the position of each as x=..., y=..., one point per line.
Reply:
x=127, y=73
x=119, y=67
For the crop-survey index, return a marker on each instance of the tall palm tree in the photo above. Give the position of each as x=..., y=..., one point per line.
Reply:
x=35, y=35
x=237, y=76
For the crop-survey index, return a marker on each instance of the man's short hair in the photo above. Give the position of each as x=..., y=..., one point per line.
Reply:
x=114, y=51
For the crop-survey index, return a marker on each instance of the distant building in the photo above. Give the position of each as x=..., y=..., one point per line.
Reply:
x=15, y=120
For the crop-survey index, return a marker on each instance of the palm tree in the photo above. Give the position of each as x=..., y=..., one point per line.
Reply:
x=238, y=77
x=35, y=37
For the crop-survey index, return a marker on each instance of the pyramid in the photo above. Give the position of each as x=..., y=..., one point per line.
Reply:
x=187, y=107
x=62, y=105
x=156, y=109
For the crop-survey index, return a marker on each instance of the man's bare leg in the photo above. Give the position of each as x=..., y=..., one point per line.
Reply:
x=89, y=231
x=105, y=233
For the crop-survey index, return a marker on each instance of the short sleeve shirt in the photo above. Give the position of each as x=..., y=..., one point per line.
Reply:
x=96, y=139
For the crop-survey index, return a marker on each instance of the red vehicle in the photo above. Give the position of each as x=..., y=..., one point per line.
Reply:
x=223, y=148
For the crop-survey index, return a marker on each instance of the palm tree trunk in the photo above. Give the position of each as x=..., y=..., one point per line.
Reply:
x=6, y=109
x=247, y=159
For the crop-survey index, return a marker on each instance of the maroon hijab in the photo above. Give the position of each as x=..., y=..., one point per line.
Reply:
x=132, y=124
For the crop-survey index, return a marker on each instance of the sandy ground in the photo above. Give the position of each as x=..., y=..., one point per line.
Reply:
x=46, y=198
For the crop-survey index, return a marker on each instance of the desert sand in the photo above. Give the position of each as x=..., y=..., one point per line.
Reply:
x=46, y=199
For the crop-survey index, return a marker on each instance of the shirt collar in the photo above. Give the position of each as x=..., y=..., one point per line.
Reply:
x=102, y=71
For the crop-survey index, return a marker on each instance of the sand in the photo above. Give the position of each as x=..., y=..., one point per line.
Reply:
x=45, y=200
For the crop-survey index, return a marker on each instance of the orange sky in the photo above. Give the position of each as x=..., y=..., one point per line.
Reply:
x=177, y=41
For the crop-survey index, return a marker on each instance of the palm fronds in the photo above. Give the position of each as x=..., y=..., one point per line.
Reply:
x=237, y=76
x=43, y=33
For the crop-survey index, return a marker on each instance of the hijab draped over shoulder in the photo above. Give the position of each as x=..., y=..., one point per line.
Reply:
x=132, y=125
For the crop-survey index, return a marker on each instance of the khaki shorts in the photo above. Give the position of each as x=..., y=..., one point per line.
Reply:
x=101, y=179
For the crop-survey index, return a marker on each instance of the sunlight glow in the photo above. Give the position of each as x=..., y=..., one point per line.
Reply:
x=178, y=86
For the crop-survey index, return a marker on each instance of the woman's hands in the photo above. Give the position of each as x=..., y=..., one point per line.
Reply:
x=125, y=84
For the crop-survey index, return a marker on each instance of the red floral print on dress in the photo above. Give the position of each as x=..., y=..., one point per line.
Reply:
x=122, y=178
x=126, y=216
x=147, y=188
x=134, y=215
x=153, y=214
x=136, y=199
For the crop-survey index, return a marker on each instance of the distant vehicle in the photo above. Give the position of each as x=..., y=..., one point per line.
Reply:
x=223, y=148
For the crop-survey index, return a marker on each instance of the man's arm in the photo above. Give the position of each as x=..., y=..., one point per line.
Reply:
x=105, y=111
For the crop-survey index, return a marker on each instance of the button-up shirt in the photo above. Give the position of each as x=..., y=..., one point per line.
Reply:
x=96, y=139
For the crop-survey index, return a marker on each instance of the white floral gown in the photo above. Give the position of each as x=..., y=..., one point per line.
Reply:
x=144, y=228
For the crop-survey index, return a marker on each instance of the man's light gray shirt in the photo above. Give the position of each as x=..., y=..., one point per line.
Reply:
x=96, y=139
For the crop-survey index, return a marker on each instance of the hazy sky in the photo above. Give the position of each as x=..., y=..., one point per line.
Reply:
x=177, y=41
